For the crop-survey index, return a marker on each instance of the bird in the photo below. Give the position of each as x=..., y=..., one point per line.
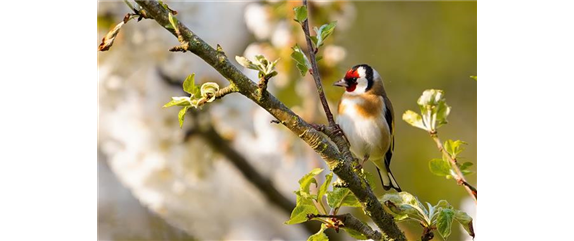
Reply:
x=365, y=116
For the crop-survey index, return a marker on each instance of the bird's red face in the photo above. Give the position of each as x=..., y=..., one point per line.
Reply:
x=351, y=78
x=357, y=80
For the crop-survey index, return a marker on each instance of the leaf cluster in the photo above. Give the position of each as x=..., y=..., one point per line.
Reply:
x=433, y=111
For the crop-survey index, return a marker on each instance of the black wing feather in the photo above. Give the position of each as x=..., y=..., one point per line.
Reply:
x=390, y=121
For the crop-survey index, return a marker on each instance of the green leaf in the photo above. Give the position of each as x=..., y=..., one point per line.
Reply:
x=300, y=13
x=181, y=115
x=304, y=199
x=465, y=168
x=246, y=62
x=342, y=197
x=190, y=87
x=178, y=101
x=414, y=119
x=474, y=77
x=444, y=222
x=172, y=21
x=439, y=167
x=300, y=58
x=442, y=204
x=324, y=32
x=454, y=147
x=370, y=179
x=323, y=190
x=465, y=220
x=320, y=235
x=314, y=40
x=355, y=234
x=261, y=60
x=404, y=205
x=305, y=181
x=208, y=91
x=299, y=214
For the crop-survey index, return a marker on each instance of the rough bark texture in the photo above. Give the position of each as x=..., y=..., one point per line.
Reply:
x=338, y=162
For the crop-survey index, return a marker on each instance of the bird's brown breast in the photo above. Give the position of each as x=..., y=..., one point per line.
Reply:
x=367, y=105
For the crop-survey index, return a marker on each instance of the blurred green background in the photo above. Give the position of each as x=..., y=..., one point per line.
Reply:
x=413, y=45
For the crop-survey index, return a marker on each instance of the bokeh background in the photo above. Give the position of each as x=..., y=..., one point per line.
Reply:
x=159, y=182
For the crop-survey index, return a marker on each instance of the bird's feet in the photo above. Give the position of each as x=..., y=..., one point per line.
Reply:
x=359, y=165
x=339, y=132
x=318, y=127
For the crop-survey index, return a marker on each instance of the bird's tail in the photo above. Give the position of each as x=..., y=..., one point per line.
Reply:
x=388, y=179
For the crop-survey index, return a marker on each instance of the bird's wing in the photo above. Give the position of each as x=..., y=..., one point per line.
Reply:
x=390, y=118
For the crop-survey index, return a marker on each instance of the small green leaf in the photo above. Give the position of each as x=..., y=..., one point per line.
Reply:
x=304, y=199
x=246, y=62
x=439, y=167
x=324, y=32
x=465, y=220
x=172, y=20
x=323, y=190
x=190, y=87
x=305, y=181
x=404, y=205
x=454, y=147
x=208, y=91
x=299, y=214
x=300, y=13
x=355, y=234
x=261, y=61
x=342, y=197
x=181, y=115
x=444, y=222
x=314, y=40
x=465, y=168
x=178, y=101
x=300, y=58
x=320, y=235
x=370, y=179
x=474, y=77
x=414, y=119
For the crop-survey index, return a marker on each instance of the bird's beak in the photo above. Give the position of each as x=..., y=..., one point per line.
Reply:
x=341, y=83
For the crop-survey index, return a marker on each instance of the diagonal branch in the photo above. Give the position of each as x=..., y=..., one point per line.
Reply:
x=339, y=162
x=459, y=177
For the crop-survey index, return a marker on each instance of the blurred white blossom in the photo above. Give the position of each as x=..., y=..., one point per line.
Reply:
x=258, y=20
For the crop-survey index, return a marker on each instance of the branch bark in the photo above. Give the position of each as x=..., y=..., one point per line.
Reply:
x=350, y=222
x=339, y=162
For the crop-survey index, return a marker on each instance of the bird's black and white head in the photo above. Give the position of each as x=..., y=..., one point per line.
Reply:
x=359, y=79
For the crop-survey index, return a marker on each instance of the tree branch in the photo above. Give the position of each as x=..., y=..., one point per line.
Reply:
x=315, y=69
x=350, y=222
x=339, y=162
x=459, y=177
x=427, y=234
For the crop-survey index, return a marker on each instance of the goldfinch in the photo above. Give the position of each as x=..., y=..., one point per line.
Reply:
x=365, y=115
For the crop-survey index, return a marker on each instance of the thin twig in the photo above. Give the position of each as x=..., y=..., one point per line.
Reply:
x=427, y=234
x=459, y=177
x=315, y=70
